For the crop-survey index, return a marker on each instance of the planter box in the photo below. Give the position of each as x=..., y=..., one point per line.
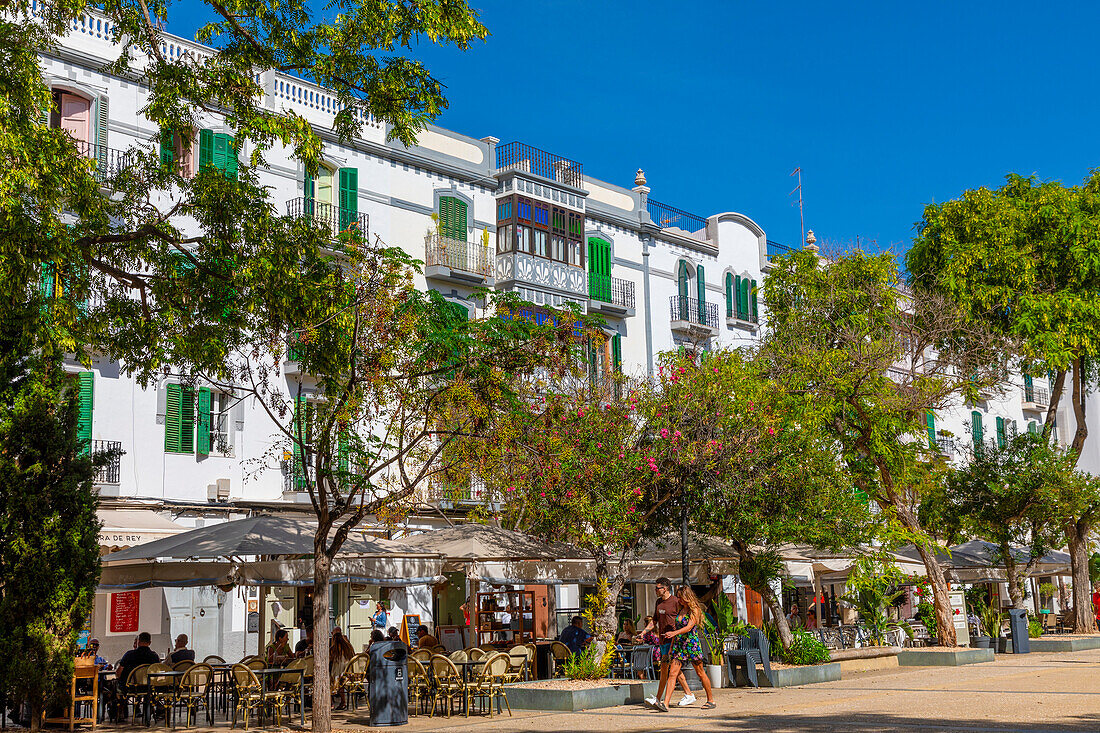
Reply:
x=944, y=657
x=793, y=676
x=1054, y=644
x=611, y=695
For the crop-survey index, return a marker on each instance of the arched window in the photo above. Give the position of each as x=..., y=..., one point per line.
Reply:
x=682, y=289
x=729, y=295
x=701, y=290
x=319, y=188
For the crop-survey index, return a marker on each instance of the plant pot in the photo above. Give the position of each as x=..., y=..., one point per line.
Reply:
x=716, y=673
x=983, y=642
x=1001, y=644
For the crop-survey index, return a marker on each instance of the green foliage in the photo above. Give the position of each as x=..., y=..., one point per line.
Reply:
x=721, y=628
x=990, y=619
x=1094, y=568
x=926, y=611
x=1034, y=627
x=805, y=648
x=49, y=551
x=872, y=588
x=588, y=664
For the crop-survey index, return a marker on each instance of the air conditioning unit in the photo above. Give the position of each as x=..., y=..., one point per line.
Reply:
x=219, y=491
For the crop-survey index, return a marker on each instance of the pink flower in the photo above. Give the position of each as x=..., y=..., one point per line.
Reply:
x=664, y=432
x=511, y=488
x=771, y=431
x=569, y=494
x=542, y=493
x=676, y=434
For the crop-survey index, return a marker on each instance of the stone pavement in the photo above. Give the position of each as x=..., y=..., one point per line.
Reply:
x=1033, y=693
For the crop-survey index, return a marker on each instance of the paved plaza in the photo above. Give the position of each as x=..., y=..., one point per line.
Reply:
x=1037, y=692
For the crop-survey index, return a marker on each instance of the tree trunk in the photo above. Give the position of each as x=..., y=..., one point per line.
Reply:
x=322, y=692
x=605, y=623
x=1084, y=616
x=37, y=703
x=776, y=608
x=941, y=598
x=1012, y=578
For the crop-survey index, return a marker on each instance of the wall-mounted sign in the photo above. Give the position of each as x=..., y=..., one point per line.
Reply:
x=124, y=611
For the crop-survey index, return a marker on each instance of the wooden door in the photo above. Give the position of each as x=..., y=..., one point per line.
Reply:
x=76, y=116
x=754, y=607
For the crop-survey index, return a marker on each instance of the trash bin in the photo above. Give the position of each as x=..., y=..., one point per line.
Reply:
x=1017, y=629
x=388, y=689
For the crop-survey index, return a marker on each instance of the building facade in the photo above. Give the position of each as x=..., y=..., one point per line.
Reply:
x=478, y=213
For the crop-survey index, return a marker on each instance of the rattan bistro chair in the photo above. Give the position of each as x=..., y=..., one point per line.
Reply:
x=136, y=690
x=517, y=664
x=559, y=655
x=420, y=686
x=191, y=692
x=354, y=679
x=251, y=694
x=489, y=685
x=448, y=684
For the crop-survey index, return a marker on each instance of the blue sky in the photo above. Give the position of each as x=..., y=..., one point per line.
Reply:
x=884, y=106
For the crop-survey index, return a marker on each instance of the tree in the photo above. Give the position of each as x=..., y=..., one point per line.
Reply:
x=1010, y=496
x=49, y=549
x=1021, y=260
x=782, y=483
x=875, y=360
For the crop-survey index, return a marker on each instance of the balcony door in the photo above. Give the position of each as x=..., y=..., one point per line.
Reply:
x=599, y=269
x=73, y=114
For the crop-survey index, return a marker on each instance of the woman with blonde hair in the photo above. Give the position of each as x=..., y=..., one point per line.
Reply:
x=686, y=646
x=340, y=651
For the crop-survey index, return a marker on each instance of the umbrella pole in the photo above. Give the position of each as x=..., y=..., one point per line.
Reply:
x=684, y=575
x=263, y=620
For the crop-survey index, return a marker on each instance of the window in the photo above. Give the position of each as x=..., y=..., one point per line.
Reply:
x=977, y=433
x=218, y=149
x=523, y=239
x=453, y=218
x=930, y=420
x=179, y=419
x=176, y=150
x=540, y=215
x=617, y=353
x=73, y=114
x=349, y=199
x=504, y=210
x=753, y=313
x=557, y=249
x=729, y=295
x=540, y=240
x=599, y=269
x=1002, y=432
x=682, y=289
x=212, y=429
x=574, y=254
x=523, y=209
x=85, y=395
x=319, y=188
x=504, y=238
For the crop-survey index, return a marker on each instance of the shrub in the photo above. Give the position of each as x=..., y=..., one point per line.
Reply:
x=806, y=649
x=588, y=664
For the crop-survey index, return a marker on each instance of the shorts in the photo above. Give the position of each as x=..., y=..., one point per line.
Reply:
x=664, y=650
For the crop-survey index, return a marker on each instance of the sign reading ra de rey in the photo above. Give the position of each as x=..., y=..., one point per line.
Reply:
x=124, y=612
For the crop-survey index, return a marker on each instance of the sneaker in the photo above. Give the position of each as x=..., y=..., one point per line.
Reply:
x=686, y=700
x=650, y=702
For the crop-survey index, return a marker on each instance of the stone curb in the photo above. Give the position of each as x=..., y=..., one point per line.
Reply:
x=533, y=698
x=945, y=657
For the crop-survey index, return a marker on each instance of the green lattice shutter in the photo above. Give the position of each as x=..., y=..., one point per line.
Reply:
x=729, y=295
x=701, y=291
x=752, y=298
x=617, y=353
x=85, y=403
x=167, y=149
x=46, y=282
x=349, y=198
x=301, y=435
x=202, y=429
x=682, y=287
x=309, y=190
x=452, y=218
x=930, y=421
x=343, y=458
x=1002, y=432
x=206, y=148
x=172, y=419
x=599, y=269
x=977, y=433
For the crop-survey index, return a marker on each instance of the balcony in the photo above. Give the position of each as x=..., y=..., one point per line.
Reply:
x=109, y=162
x=669, y=217
x=519, y=157
x=693, y=318
x=449, y=496
x=109, y=473
x=945, y=446
x=737, y=316
x=468, y=263
x=336, y=221
x=1036, y=398
x=610, y=295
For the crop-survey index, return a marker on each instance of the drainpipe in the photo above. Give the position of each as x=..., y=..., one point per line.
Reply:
x=642, y=190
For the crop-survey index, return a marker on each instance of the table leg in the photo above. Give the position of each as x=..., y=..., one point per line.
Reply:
x=302, y=697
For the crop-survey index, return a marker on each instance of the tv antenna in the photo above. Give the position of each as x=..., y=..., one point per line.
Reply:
x=801, y=214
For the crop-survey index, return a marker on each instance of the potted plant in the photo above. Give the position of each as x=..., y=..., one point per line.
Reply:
x=991, y=627
x=715, y=634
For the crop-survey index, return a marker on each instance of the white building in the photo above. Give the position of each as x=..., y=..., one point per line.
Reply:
x=510, y=217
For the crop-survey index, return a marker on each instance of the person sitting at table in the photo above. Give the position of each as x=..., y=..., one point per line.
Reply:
x=424, y=639
x=304, y=647
x=393, y=634
x=278, y=651
x=181, y=652
x=93, y=651
x=811, y=620
x=626, y=636
x=139, y=655
x=340, y=651
x=574, y=636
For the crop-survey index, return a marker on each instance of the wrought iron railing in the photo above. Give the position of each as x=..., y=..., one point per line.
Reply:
x=1038, y=395
x=539, y=163
x=945, y=445
x=474, y=492
x=666, y=216
x=459, y=255
x=611, y=290
x=109, y=162
x=775, y=249
x=108, y=473
x=338, y=222
x=693, y=311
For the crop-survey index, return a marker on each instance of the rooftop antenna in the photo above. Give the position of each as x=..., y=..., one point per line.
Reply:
x=801, y=215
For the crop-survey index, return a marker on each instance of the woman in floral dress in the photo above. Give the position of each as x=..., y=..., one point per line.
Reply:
x=686, y=647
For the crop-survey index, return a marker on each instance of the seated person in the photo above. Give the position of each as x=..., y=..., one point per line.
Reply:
x=278, y=651
x=139, y=655
x=181, y=652
x=375, y=635
x=626, y=636
x=574, y=636
x=393, y=634
x=93, y=651
x=424, y=639
x=304, y=647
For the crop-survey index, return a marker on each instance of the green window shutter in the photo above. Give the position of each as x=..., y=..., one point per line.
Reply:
x=342, y=457
x=206, y=148
x=701, y=291
x=599, y=269
x=729, y=295
x=1002, y=432
x=976, y=431
x=349, y=198
x=230, y=168
x=301, y=433
x=1033, y=427
x=743, y=298
x=219, y=151
x=172, y=420
x=930, y=420
x=46, y=281
x=752, y=297
x=102, y=118
x=310, y=187
x=452, y=218
x=617, y=353
x=446, y=213
x=202, y=429
x=682, y=287
x=86, y=400
x=187, y=419
x=167, y=149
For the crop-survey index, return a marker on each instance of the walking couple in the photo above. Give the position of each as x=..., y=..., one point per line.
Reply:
x=677, y=619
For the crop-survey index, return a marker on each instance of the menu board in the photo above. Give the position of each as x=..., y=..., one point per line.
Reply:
x=124, y=611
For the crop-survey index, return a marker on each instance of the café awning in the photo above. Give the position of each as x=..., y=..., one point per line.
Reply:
x=486, y=543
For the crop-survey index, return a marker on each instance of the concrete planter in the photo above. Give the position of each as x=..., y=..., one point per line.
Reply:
x=534, y=698
x=793, y=676
x=1054, y=644
x=944, y=657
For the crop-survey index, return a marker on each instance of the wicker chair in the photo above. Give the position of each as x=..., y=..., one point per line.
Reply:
x=490, y=681
x=458, y=656
x=559, y=655
x=475, y=653
x=288, y=682
x=439, y=649
x=136, y=690
x=420, y=685
x=212, y=659
x=162, y=690
x=354, y=679
x=423, y=656
x=256, y=663
x=448, y=684
x=251, y=694
x=517, y=664
x=192, y=690
x=183, y=665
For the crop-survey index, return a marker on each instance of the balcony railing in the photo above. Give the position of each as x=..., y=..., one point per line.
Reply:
x=459, y=255
x=740, y=314
x=519, y=156
x=474, y=492
x=694, y=312
x=335, y=220
x=666, y=216
x=109, y=473
x=611, y=290
x=945, y=445
x=1037, y=395
x=775, y=249
x=109, y=162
